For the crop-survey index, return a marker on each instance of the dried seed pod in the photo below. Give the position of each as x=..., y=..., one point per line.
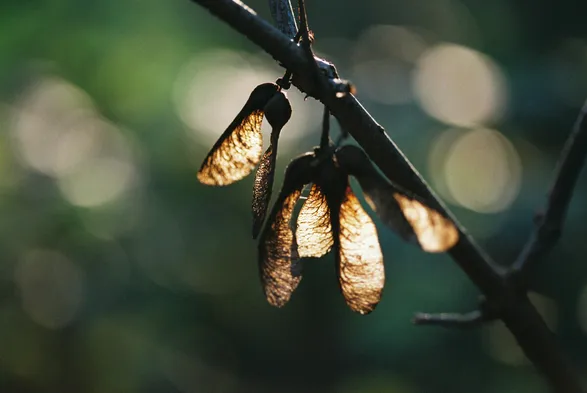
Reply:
x=314, y=232
x=277, y=241
x=359, y=260
x=402, y=211
x=332, y=217
x=277, y=112
x=239, y=148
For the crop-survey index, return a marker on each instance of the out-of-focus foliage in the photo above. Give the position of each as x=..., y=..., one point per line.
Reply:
x=119, y=272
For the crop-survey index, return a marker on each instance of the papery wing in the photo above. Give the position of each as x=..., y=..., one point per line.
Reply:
x=406, y=214
x=239, y=148
x=411, y=218
x=361, y=271
x=314, y=232
x=278, y=113
x=277, y=242
x=236, y=153
x=434, y=232
x=262, y=189
x=275, y=254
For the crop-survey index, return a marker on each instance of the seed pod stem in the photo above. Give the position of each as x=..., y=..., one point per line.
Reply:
x=283, y=15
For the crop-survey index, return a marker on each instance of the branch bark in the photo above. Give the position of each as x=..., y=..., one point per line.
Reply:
x=551, y=219
x=514, y=308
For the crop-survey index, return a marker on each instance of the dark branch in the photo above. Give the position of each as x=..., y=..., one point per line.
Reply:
x=515, y=309
x=550, y=220
x=325, y=137
x=451, y=320
x=485, y=313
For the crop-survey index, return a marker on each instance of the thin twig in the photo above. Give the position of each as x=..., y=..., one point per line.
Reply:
x=518, y=314
x=550, y=220
x=451, y=320
x=306, y=43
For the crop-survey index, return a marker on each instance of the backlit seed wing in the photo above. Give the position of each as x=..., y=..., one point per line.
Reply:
x=314, y=232
x=361, y=272
x=411, y=218
x=277, y=242
x=277, y=113
x=262, y=189
x=403, y=212
x=236, y=153
x=275, y=254
x=240, y=146
x=435, y=233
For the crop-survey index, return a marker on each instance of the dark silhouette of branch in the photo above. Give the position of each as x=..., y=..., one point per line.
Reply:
x=549, y=222
x=512, y=305
x=449, y=320
x=472, y=319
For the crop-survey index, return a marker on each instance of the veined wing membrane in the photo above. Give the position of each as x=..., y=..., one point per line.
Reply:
x=239, y=148
x=314, y=231
x=275, y=253
x=236, y=154
x=361, y=271
x=434, y=232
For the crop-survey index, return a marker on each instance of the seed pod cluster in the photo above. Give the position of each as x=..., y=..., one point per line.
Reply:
x=331, y=217
x=239, y=148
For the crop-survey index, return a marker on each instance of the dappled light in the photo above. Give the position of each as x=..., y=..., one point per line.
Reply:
x=218, y=83
x=58, y=132
x=460, y=86
x=43, y=117
x=481, y=170
x=121, y=272
x=383, y=58
x=97, y=182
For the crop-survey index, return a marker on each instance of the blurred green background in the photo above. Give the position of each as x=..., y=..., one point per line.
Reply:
x=119, y=272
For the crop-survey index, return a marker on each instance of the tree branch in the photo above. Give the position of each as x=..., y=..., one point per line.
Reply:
x=550, y=220
x=515, y=309
x=485, y=313
x=450, y=320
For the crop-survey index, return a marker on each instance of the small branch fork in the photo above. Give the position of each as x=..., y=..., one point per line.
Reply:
x=550, y=220
x=504, y=293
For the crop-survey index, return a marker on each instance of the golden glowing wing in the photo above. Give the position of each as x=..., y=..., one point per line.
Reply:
x=278, y=113
x=275, y=254
x=236, y=154
x=434, y=232
x=314, y=232
x=410, y=217
x=361, y=272
x=276, y=243
x=262, y=189
x=239, y=148
x=403, y=212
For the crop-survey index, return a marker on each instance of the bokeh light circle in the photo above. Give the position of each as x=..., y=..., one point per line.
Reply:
x=482, y=171
x=211, y=90
x=460, y=86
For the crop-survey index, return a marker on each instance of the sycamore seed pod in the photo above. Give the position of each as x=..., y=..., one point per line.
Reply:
x=277, y=112
x=405, y=213
x=239, y=148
